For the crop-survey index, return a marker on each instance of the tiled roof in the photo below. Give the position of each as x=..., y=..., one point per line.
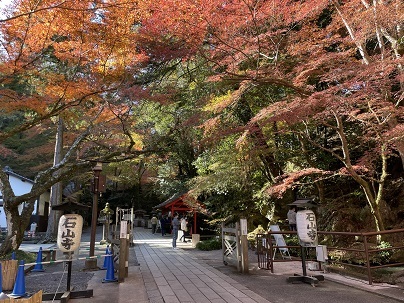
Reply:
x=9, y=172
x=170, y=200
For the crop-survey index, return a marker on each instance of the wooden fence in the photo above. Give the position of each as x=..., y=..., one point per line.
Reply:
x=235, y=245
x=9, y=272
x=367, y=251
x=231, y=245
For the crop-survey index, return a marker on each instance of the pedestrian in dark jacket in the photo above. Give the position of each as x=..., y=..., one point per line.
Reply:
x=175, y=223
x=292, y=218
x=163, y=225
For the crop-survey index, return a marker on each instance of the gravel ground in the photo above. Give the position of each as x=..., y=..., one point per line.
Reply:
x=54, y=278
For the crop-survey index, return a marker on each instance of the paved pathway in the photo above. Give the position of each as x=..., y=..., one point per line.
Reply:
x=173, y=275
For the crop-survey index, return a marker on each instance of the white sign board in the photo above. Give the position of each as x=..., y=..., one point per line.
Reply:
x=124, y=229
x=243, y=227
x=69, y=232
x=279, y=240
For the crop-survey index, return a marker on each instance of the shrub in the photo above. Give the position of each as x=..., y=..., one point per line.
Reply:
x=384, y=256
x=212, y=244
x=252, y=236
x=357, y=255
x=293, y=241
x=21, y=255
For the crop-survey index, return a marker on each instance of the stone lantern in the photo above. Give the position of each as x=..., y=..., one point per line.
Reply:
x=105, y=214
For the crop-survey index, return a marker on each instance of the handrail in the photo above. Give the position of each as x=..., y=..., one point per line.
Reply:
x=367, y=251
x=368, y=233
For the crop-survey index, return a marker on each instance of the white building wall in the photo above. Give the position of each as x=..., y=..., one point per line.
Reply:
x=22, y=186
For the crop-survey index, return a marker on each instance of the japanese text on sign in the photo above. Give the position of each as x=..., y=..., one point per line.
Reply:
x=311, y=226
x=306, y=227
x=69, y=232
x=68, y=235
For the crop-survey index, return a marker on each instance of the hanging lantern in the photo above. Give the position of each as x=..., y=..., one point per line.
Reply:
x=69, y=232
x=306, y=226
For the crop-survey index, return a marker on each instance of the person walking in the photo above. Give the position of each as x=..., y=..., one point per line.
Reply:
x=175, y=223
x=154, y=222
x=184, y=228
x=163, y=225
x=291, y=215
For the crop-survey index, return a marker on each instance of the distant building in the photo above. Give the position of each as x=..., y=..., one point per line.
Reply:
x=184, y=205
x=22, y=185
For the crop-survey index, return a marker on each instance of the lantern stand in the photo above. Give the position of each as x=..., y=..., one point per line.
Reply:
x=98, y=187
x=106, y=212
x=69, y=271
x=68, y=207
x=306, y=203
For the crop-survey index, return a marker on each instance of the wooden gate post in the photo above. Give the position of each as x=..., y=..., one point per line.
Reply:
x=123, y=244
x=128, y=243
x=238, y=248
x=235, y=246
x=223, y=242
x=244, y=246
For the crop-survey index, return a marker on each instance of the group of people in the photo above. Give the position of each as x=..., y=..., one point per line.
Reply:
x=175, y=224
x=165, y=224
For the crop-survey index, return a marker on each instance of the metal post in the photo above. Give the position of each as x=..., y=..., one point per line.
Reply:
x=271, y=253
x=94, y=212
x=91, y=264
x=365, y=243
x=303, y=252
x=69, y=273
x=107, y=232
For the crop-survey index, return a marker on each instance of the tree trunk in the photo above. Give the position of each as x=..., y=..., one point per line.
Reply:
x=372, y=198
x=272, y=168
x=358, y=42
x=17, y=223
x=374, y=207
x=56, y=189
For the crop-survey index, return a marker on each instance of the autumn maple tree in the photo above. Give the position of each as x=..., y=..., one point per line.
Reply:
x=325, y=78
x=72, y=60
x=296, y=93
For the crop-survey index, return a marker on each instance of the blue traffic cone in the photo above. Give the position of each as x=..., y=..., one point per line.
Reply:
x=110, y=275
x=38, y=264
x=19, y=286
x=2, y=294
x=107, y=252
x=13, y=256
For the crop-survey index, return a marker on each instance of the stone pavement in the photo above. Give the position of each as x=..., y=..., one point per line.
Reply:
x=184, y=275
x=158, y=273
x=168, y=275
